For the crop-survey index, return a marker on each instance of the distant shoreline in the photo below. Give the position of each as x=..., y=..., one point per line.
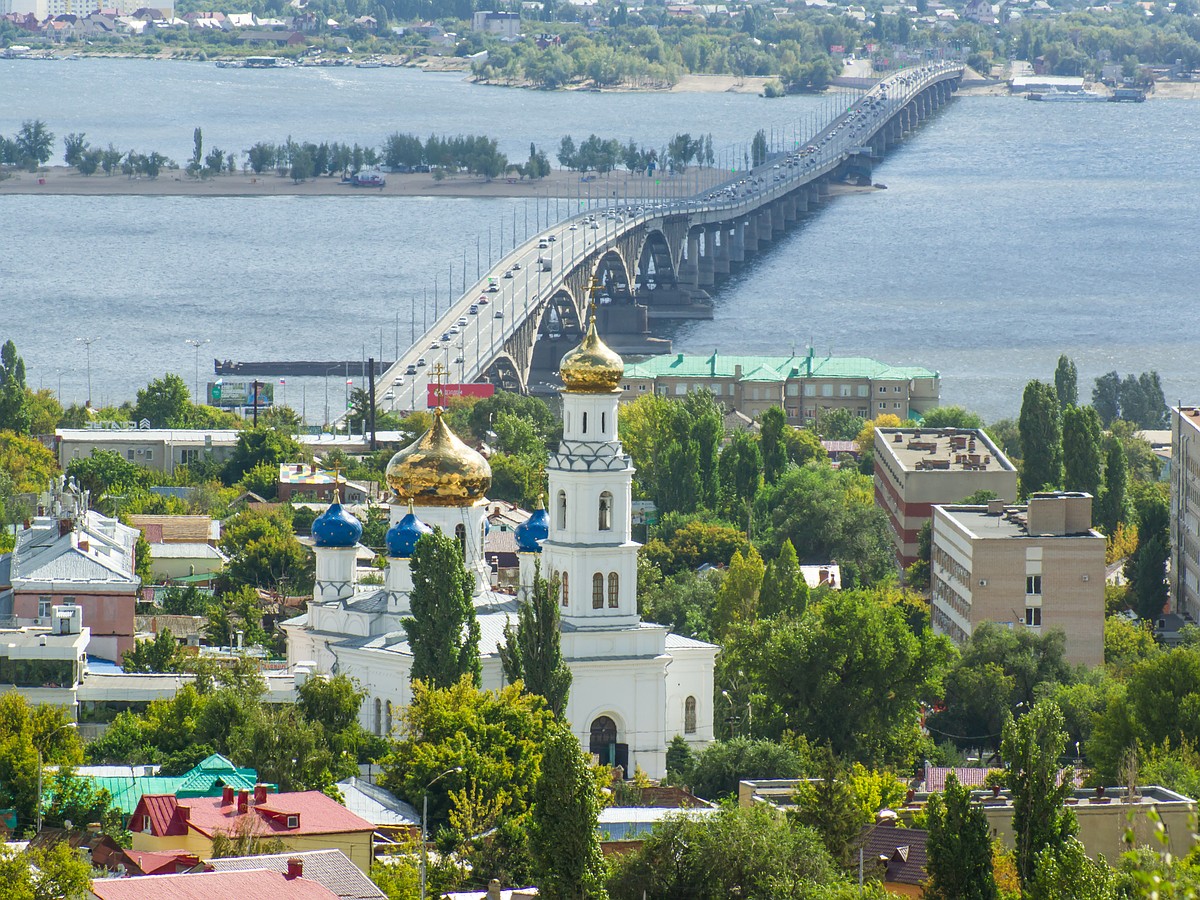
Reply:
x=61, y=181
x=65, y=181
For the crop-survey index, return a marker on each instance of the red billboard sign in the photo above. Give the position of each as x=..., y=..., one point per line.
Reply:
x=439, y=394
x=837, y=48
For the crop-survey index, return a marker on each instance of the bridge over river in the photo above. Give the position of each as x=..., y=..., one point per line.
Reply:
x=646, y=260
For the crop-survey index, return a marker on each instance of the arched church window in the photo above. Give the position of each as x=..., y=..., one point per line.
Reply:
x=389, y=718
x=606, y=504
x=562, y=509
x=584, y=429
x=613, y=589
x=564, y=588
x=460, y=533
x=603, y=422
x=689, y=715
x=603, y=740
x=378, y=717
x=597, y=591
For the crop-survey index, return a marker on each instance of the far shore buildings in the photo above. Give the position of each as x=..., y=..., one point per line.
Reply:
x=916, y=468
x=1039, y=566
x=1185, y=511
x=804, y=386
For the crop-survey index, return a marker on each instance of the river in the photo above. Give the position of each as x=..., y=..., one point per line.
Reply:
x=1010, y=232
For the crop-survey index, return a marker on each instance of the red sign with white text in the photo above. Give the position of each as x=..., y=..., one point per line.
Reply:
x=437, y=395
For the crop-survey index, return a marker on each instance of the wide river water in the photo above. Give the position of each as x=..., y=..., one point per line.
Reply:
x=1011, y=232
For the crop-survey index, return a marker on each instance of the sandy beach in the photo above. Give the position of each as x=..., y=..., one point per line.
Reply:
x=61, y=180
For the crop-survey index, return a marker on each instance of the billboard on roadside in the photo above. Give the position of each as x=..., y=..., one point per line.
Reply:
x=440, y=394
x=240, y=394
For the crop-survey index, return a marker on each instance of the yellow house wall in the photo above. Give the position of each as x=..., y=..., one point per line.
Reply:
x=1102, y=826
x=356, y=845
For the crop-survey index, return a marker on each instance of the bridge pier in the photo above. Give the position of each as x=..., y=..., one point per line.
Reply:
x=778, y=220
x=705, y=261
x=737, y=243
x=721, y=255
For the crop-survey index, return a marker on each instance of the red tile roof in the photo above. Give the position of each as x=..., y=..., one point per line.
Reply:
x=314, y=814
x=167, y=862
x=257, y=883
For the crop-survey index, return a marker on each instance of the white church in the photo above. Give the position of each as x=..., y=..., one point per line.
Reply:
x=635, y=685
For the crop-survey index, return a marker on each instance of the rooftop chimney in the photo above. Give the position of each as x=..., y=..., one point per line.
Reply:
x=243, y=801
x=226, y=795
x=295, y=868
x=493, y=890
x=83, y=545
x=260, y=793
x=185, y=812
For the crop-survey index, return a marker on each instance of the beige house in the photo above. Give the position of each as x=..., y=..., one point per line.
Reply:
x=1185, y=510
x=1039, y=566
x=181, y=547
x=916, y=468
x=805, y=386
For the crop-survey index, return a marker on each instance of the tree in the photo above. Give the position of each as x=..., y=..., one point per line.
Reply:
x=1081, y=450
x=256, y=446
x=533, y=653
x=1031, y=747
x=838, y=424
x=485, y=741
x=245, y=840
x=1112, y=505
x=161, y=654
x=1066, y=383
x=784, y=590
x=28, y=462
x=719, y=767
x=197, y=149
x=77, y=800
x=1068, y=871
x=735, y=852
x=1106, y=397
x=34, y=144
x=14, y=401
x=443, y=632
x=680, y=760
x=1041, y=439
x=951, y=417
x=1146, y=568
x=288, y=750
x=24, y=730
x=737, y=600
x=566, y=152
x=829, y=806
x=166, y=402
x=74, y=147
x=566, y=805
x=741, y=469
x=772, y=425
x=959, y=847
x=59, y=872
x=758, y=148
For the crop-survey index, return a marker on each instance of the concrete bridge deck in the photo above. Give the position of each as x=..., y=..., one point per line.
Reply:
x=651, y=259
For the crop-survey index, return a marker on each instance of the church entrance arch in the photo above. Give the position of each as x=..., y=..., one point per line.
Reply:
x=604, y=745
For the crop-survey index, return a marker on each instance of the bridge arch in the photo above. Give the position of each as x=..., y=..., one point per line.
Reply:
x=656, y=268
x=505, y=374
x=613, y=277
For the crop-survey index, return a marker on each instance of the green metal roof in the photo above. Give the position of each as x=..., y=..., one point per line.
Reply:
x=772, y=368
x=207, y=779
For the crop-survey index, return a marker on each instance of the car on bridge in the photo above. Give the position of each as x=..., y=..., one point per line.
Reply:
x=462, y=321
x=474, y=310
x=411, y=370
x=499, y=314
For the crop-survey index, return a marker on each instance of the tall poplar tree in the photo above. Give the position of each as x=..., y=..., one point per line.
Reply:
x=14, y=400
x=566, y=805
x=1041, y=438
x=774, y=450
x=532, y=654
x=784, y=590
x=1146, y=568
x=1032, y=746
x=959, y=847
x=1113, y=501
x=443, y=632
x=1081, y=450
x=1066, y=383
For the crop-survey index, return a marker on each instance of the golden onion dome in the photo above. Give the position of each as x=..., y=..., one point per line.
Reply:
x=437, y=469
x=591, y=368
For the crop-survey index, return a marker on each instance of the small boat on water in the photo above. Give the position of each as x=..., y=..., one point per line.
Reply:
x=369, y=64
x=1054, y=95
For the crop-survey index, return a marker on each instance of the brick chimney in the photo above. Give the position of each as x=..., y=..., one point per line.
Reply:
x=83, y=545
x=295, y=869
x=185, y=812
x=243, y=801
x=260, y=793
x=226, y=795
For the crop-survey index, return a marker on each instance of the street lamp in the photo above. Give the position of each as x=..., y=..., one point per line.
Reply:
x=197, y=343
x=39, y=756
x=424, y=819
x=87, y=343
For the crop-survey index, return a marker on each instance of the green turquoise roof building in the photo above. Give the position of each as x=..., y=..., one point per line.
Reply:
x=207, y=779
x=772, y=368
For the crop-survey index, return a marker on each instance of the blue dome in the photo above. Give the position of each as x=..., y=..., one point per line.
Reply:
x=532, y=532
x=403, y=536
x=335, y=527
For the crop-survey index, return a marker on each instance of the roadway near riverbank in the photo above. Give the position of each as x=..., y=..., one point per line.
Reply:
x=62, y=180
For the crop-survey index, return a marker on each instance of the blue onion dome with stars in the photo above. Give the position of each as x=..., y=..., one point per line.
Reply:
x=534, y=530
x=336, y=527
x=403, y=536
